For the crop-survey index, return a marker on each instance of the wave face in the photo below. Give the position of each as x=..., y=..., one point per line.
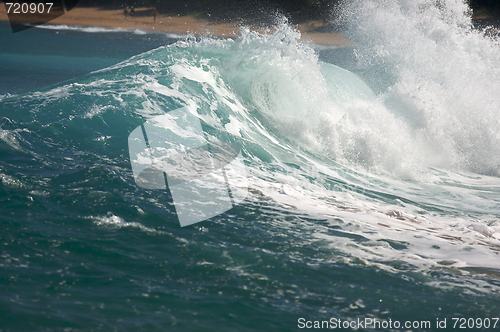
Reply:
x=368, y=187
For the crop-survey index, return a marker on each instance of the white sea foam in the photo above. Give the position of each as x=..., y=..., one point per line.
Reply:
x=445, y=89
x=113, y=221
x=62, y=27
x=87, y=29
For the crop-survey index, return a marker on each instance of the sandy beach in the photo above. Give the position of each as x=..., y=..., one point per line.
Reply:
x=178, y=24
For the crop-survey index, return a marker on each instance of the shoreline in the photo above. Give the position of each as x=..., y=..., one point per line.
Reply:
x=179, y=25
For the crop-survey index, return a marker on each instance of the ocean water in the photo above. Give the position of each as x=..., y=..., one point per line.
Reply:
x=373, y=178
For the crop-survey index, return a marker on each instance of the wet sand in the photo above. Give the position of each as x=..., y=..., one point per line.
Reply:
x=181, y=25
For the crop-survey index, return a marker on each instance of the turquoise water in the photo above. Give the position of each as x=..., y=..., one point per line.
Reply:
x=373, y=188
